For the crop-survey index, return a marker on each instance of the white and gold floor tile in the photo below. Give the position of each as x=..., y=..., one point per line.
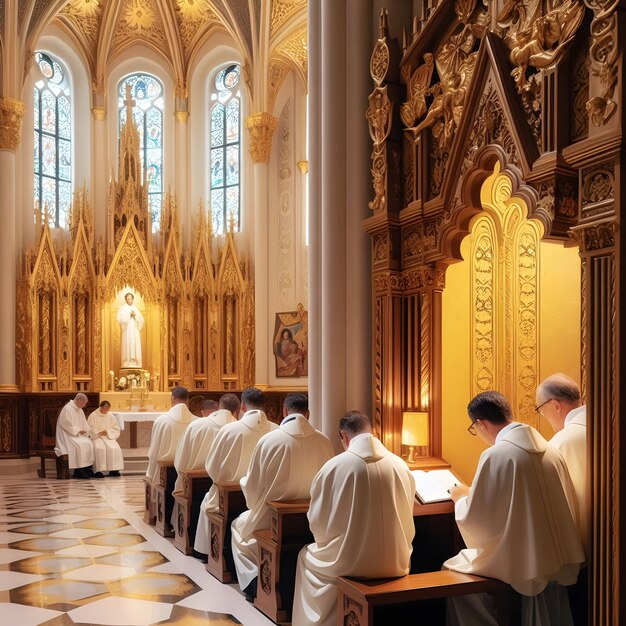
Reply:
x=77, y=553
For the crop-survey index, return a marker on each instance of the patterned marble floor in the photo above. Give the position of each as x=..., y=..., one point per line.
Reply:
x=78, y=553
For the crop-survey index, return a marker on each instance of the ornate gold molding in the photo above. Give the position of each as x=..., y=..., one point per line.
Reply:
x=303, y=166
x=261, y=127
x=182, y=116
x=11, y=114
x=99, y=113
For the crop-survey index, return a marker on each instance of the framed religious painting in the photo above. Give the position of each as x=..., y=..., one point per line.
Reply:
x=290, y=344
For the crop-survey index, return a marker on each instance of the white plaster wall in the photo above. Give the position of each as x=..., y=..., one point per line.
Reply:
x=288, y=285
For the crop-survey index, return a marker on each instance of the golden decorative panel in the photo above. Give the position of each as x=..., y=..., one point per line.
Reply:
x=504, y=295
x=295, y=49
x=283, y=11
x=140, y=18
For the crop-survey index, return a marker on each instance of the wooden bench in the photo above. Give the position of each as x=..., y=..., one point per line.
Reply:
x=394, y=600
x=187, y=506
x=165, y=499
x=278, y=549
x=232, y=503
x=47, y=452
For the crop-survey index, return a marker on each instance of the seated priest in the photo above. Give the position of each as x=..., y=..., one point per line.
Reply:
x=195, y=444
x=361, y=516
x=105, y=431
x=230, y=454
x=167, y=431
x=72, y=437
x=516, y=520
x=558, y=400
x=282, y=467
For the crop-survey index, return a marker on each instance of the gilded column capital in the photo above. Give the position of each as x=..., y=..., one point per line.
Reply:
x=11, y=114
x=261, y=127
x=99, y=113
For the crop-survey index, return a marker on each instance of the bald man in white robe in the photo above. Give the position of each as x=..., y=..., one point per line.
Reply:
x=167, y=431
x=282, y=467
x=229, y=456
x=517, y=520
x=195, y=444
x=104, y=432
x=558, y=400
x=350, y=539
x=72, y=437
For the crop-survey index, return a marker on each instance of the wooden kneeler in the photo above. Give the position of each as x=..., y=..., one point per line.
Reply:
x=187, y=508
x=278, y=550
x=232, y=503
x=165, y=499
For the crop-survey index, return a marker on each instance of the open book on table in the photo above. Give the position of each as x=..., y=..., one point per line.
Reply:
x=433, y=486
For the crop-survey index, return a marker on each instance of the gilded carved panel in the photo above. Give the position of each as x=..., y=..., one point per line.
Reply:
x=504, y=296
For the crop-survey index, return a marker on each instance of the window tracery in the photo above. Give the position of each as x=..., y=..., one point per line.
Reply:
x=52, y=140
x=225, y=149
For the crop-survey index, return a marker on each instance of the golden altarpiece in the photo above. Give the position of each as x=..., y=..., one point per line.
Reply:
x=500, y=120
x=197, y=300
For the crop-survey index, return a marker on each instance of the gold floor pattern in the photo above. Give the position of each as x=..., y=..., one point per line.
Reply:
x=78, y=553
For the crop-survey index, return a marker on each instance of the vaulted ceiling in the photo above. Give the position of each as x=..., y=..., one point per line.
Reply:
x=270, y=34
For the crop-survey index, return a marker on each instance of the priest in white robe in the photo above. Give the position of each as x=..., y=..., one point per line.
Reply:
x=230, y=454
x=167, y=431
x=195, y=444
x=517, y=520
x=558, y=400
x=130, y=320
x=282, y=467
x=351, y=537
x=104, y=432
x=72, y=437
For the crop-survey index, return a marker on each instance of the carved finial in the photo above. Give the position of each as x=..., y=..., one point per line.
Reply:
x=384, y=24
x=416, y=28
x=403, y=39
x=209, y=222
x=231, y=223
x=129, y=103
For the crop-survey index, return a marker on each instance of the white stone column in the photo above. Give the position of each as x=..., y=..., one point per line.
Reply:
x=333, y=213
x=358, y=179
x=339, y=267
x=261, y=127
x=11, y=114
x=314, y=156
x=100, y=170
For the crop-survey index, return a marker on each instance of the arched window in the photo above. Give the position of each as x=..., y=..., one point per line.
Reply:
x=225, y=131
x=52, y=139
x=147, y=92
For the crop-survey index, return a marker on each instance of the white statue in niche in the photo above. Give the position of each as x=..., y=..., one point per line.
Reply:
x=131, y=322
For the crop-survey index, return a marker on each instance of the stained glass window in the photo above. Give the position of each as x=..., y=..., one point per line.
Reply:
x=147, y=92
x=52, y=139
x=225, y=161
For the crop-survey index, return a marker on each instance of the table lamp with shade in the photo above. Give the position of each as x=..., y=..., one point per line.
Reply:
x=414, y=432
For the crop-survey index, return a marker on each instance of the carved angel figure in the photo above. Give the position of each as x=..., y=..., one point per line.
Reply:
x=417, y=89
x=537, y=38
x=379, y=115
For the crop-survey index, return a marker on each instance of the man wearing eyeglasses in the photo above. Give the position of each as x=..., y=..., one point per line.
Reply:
x=558, y=400
x=516, y=520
